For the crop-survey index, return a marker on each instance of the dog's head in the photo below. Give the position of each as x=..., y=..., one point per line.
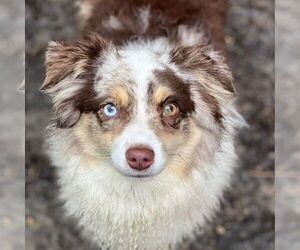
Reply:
x=140, y=108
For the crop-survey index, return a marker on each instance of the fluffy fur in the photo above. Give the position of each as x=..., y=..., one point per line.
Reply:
x=149, y=55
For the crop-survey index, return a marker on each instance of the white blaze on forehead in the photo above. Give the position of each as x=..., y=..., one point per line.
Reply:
x=132, y=64
x=136, y=63
x=142, y=63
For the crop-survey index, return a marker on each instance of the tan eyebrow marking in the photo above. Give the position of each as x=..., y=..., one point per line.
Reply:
x=120, y=94
x=161, y=93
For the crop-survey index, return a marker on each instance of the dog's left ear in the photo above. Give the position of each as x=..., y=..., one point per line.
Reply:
x=208, y=66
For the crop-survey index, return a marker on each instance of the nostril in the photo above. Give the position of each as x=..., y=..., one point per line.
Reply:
x=140, y=158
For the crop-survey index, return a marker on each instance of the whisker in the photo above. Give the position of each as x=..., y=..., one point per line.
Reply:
x=181, y=157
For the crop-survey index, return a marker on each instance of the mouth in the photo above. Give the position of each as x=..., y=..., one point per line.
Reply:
x=136, y=174
x=140, y=175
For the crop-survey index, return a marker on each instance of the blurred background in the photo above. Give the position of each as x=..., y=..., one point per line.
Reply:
x=287, y=125
x=12, y=119
x=246, y=220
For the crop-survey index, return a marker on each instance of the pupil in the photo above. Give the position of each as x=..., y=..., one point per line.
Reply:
x=110, y=109
x=170, y=108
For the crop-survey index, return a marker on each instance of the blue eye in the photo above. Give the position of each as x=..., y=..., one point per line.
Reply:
x=110, y=110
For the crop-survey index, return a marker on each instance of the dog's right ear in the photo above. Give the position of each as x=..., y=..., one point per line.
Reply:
x=70, y=67
x=64, y=59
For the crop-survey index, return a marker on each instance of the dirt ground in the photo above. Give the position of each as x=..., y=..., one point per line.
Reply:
x=246, y=220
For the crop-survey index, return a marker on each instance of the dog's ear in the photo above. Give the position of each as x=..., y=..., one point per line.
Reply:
x=65, y=59
x=210, y=68
x=69, y=70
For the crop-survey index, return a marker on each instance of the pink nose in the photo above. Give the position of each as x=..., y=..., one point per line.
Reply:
x=140, y=158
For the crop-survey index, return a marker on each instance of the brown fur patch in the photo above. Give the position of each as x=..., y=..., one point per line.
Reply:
x=212, y=103
x=71, y=65
x=182, y=92
x=66, y=58
x=197, y=58
x=165, y=15
x=182, y=95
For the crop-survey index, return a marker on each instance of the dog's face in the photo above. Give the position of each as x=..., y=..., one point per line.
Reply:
x=140, y=108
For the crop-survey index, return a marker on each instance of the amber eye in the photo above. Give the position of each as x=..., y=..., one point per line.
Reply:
x=170, y=110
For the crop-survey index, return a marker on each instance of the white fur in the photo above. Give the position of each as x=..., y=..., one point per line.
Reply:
x=118, y=211
x=140, y=63
x=128, y=213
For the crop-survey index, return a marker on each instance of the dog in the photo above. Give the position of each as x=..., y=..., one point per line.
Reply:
x=144, y=120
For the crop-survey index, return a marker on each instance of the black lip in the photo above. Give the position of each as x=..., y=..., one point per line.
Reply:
x=142, y=176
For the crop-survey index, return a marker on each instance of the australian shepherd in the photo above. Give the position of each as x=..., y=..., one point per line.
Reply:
x=143, y=123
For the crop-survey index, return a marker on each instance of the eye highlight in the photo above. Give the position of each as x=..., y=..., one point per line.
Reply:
x=170, y=110
x=110, y=110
